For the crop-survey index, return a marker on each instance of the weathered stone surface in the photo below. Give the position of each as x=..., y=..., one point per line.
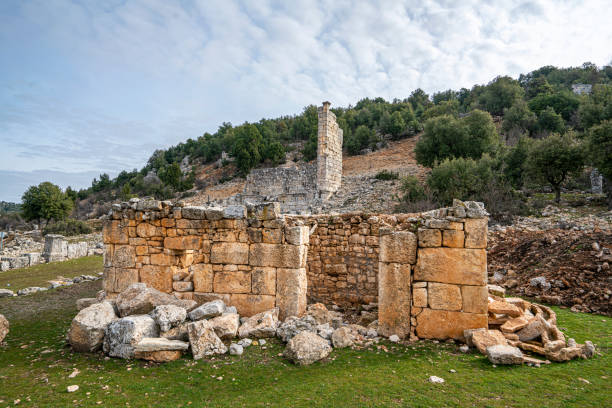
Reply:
x=236, y=349
x=444, y=324
x=160, y=344
x=398, y=247
x=263, y=280
x=159, y=356
x=429, y=238
x=249, y=305
x=207, y=310
x=297, y=235
x=468, y=333
x=394, y=299
x=232, y=282
x=291, y=292
x=532, y=330
x=182, y=243
x=452, y=265
x=230, y=253
x=565, y=354
x=157, y=277
x=499, y=307
x=320, y=313
x=306, y=348
x=168, y=316
x=476, y=233
x=180, y=286
x=6, y=293
x=484, y=338
x=123, y=334
x=177, y=333
x=204, y=341
x=234, y=212
x=4, y=327
x=146, y=230
x=294, y=325
x=475, y=299
x=504, y=354
x=419, y=297
x=278, y=255
x=203, y=277
x=226, y=325
x=85, y=302
x=124, y=256
x=514, y=325
x=194, y=213
x=139, y=299
x=260, y=325
x=345, y=337
x=264, y=211
x=114, y=233
x=444, y=296
x=452, y=238
x=87, y=329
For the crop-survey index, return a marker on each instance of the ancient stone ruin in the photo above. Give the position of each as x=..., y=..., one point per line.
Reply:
x=426, y=271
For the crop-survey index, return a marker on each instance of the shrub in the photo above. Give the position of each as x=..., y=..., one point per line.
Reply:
x=67, y=227
x=386, y=175
x=412, y=189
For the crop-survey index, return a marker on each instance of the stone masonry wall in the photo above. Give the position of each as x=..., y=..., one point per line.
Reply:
x=329, y=152
x=427, y=271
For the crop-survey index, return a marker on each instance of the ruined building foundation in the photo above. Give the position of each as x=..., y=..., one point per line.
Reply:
x=427, y=271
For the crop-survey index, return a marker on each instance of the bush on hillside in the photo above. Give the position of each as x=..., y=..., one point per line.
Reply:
x=386, y=175
x=68, y=227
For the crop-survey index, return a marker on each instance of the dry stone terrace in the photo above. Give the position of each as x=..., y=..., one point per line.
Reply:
x=426, y=271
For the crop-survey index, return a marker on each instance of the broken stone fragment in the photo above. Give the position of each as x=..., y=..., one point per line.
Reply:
x=485, y=338
x=260, y=325
x=123, y=334
x=168, y=316
x=4, y=327
x=207, y=310
x=504, y=354
x=533, y=330
x=499, y=307
x=292, y=326
x=85, y=302
x=203, y=339
x=306, y=348
x=226, y=325
x=344, y=337
x=140, y=299
x=515, y=324
x=88, y=326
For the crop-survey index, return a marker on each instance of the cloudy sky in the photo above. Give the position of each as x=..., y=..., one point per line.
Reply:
x=95, y=86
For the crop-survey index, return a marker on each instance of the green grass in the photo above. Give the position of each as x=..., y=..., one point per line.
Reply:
x=35, y=364
x=38, y=275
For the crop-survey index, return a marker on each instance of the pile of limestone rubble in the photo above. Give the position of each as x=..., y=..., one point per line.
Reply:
x=145, y=323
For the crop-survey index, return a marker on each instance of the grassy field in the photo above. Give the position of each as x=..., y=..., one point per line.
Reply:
x=38, y=275
x=35, y=365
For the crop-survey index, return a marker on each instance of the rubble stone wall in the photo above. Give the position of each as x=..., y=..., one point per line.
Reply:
x=427, y=271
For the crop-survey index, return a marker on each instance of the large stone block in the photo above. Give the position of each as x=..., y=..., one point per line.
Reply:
x=452, y=265
x=114, y=233
x=398, y=247
x=264, y=211
x=118, y=279
x=419, y=297
x=194, y=213
x=280, y=256
x=298, y=235
x=476, y=232
x=445, y=324
x=393, y=299
x=182, y=243
x=291, y=287
x=124, y=256
x=232, y=282
x=146, y=230
x=444, y=296
x=248, y=305
x=263, y=281
x=475, y=299
x=453, y=238
x=202, y=277
x=235, y=253
x=429, y=238
x=157, y=276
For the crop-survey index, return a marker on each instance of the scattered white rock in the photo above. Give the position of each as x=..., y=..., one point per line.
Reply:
x=436, y=380
x=306, y=348
x=394, y=338
x=72, y=388
x=236, y=349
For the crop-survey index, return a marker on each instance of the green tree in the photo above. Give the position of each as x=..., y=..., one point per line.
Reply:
x=538, y=86
x=550, y=121
x=450, y=107
x=392, y=124
x=514, y=162
x=519, y=117
x=564, y=103
x=45, y=202
x=275, y=152
x=597, y=107
x=446, y=137
x=247, y=148
x=500, y=94
x=363, y=138
x=72, y=194
x=171, y=175
x=600, y=153
x=553, y=159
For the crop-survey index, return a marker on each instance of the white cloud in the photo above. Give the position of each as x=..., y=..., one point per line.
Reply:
x=117, y=80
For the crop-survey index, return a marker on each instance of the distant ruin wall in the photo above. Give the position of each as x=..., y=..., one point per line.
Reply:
x=427, y=271
x=329, y=152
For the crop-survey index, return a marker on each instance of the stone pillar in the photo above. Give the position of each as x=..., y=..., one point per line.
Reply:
x=397, y=255
x=329, y=152
x=56, y=248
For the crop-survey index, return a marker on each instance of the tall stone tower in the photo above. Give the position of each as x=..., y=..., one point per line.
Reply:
x=329, y=152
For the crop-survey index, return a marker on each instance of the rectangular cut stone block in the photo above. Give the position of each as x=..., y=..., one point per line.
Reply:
x=291, y=286
x=475, y=299
x=180, y=286
x=146, y=230
x=445, y=324
x=452, y=265
x=297, y=235
x=230, y=253
x=399, y=247
x=452, y=238
x=202, y=277
x=264, y=211
x=158, y=277
x=272, y=235
x=232, y=282
x=429, y=238
x=419, y=297
x=476, y=232
x=263, y=281
x=444, y=296
x=277, y=255
x=114, y=232
x=393, y=299
x=201, y=297
x=124, y=256
x=124, y=277
x=194, y=213
x=182, y=243
x=248, y=305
